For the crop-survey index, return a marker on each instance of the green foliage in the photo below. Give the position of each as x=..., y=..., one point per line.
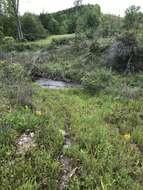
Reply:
x=110, y=25
x=50, y=138
x=137, y=136
x=20, y=120
x=99, y=127
x=88, y=20
x=41, y=169
x=97, y=81
x=8, y=43
x=9, y=26
x=15, y=85
x=8, y=40
x=53, y=26
x=132, y=18
x=1, y=36
x=125, y=55
x=21, y=47
x=32, y=27
x=29, y=185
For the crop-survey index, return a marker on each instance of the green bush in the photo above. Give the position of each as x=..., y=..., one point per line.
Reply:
x=32, y=27
x=97, y=81
x=15, y=84
x=62, y=41
x=8, y=43
x=53, y=71
x=20, y=120
x=23, y=47
x=125, y=55
x=1, y=36
x=9, y=40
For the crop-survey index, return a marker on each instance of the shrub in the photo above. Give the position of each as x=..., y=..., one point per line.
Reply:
x=20, y=120
x=23, y=47
x=15, y=85
x=1, y=36
x=32, y=27
x=53, y=71
x=62, y=41
x=9, y=40
x=128, y=92
x=95, y=82
x=125, y=54
x=8, y=43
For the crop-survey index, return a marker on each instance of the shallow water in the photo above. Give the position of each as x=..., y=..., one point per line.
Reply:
x=51, y=84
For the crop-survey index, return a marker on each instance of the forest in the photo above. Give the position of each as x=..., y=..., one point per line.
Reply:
x=71, y=99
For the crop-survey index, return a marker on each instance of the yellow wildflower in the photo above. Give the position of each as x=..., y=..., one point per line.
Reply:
x=127, y=137
x=39, y=113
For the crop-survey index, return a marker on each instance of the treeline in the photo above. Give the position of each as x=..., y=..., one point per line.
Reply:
x=85, y=19
x=77, y=19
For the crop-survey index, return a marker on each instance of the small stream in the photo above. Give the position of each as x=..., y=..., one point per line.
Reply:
x=51, y=84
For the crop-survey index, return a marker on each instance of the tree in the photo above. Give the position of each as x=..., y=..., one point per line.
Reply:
x=125, y=55
x=88, y=20
x=132, y=17
x=110, y=25
x=54, y=26
x=32, y=27
x=12, y=8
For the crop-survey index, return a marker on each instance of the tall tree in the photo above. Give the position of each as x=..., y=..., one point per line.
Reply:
x=132, y=17
x=77, y=4
x=13, y=9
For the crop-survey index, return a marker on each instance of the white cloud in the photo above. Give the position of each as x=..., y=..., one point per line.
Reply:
x=108, y=6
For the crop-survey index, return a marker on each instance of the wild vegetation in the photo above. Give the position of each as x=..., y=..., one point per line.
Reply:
x=81, y=138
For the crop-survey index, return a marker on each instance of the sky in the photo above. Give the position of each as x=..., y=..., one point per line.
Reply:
x=107, y=6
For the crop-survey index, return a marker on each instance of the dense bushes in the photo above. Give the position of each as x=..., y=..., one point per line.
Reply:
x=32, y=27
x=15, y=85
x=97, y=81
x=125, y=54
x=8, y=43
x=1, y=36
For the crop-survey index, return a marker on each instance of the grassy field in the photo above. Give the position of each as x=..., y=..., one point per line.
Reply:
x=48, y=40
x=106, y=149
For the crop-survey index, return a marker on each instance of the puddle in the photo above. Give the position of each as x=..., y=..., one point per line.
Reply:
x=51, y=84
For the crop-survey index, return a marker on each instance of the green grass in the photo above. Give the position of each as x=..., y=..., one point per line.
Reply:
x=48, y=40
x=105, y=158
x=37, y=45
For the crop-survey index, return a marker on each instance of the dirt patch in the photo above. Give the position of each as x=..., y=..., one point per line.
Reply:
x=25, y=142
x=66, y=162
